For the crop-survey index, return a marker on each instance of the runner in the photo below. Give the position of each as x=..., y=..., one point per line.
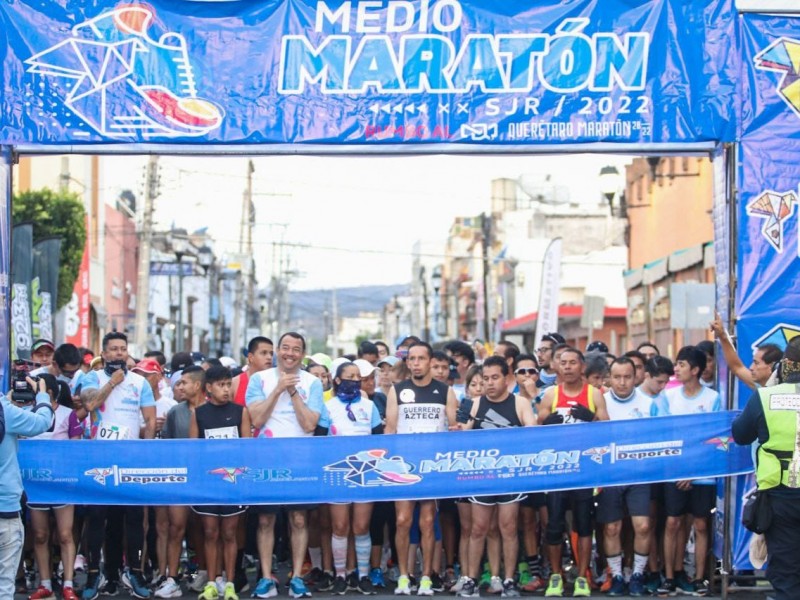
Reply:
x=219, y=419
x=571, y=401
x=624, y=401
x=260, y=351
x=418, y=405
x=348, y=413
x=496, y=409
x=284, y=401
x=546, y=359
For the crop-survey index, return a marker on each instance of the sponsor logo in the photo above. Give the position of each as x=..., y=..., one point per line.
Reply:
x=127, y=77
x=236, y=474
x=783, y=56
x=228, y=474
x=775, y=208
x=722, y=442
x=141, y=476
x=370, y=468
x=479, y=131
x=620, y=452
x=597, y=454
x=779, y=335
x=493, y=460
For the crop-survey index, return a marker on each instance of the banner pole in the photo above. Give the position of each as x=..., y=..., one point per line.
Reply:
x=6, y=171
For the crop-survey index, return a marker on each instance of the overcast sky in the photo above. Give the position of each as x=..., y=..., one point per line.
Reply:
x=358, y=217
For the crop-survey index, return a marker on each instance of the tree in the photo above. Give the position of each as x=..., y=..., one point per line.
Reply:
x=56, y=214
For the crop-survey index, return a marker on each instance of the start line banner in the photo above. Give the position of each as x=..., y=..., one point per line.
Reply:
x=386, y=467
x=368, y=72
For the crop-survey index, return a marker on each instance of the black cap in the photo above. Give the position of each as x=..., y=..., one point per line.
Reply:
x=198, y=358
x=180, y=360
x=556, y=338
x=597, y=346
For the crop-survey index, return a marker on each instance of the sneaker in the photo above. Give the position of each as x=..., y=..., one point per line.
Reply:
x=524, y=577
x=469, y=589
x=495, y=585
x=437, y=585
x=111, y=588
x=42, y=593
x=683, y=584
x=536, y=584
x=449, y=579
x=365, y=586
x=210, y=592
x=240, y=581
x=80, y=563
x=325, y=582
x=555, y=587
x=393, y=573
x=403, y=586
x=425, y=587
x=581, y=588
x=312, y=577
x=168, y=589
x=199, y=582
x=485, y=580
x=376, y=578
x=667, y=588
x=636, y=585
x=265, y=588
x=68, y=593
x=352, y=581
x=412, y=584
x=651, y=582
x=617, y=586
x=339, y=587
x=510, y=589
x=230, y=592
x=459, y=584
x=135, y=582
x=94, y=582
x=298, y=589
x=700, y=587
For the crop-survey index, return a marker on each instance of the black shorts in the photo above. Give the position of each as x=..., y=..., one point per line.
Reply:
x=581, y=502
x=44, y=507
x=448, y=505
x=699, y=501
x=612, y=502
x=535, y=500
x=497, y=499
x=274, y=509
x=216, y=510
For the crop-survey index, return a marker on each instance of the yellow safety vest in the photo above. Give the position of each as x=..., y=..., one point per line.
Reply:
x=779, y=457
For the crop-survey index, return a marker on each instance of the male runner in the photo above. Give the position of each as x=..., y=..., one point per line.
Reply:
x=418, y=405
x=259, y=358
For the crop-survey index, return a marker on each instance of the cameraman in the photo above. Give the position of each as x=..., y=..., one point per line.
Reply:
x=25, y=419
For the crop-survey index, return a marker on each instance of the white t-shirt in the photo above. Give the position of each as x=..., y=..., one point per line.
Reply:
x=118, y=418
x=337, y=421
x=706, y=401
x=283, y=420
x=61, y=427
x=636, y=407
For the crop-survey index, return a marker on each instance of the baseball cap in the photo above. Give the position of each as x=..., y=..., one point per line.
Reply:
x=180, y=360
x=389, y=360
x=335, y=363
x=320, y=358
x=42, y=343
x=97, y=360
x=556, y=338
x=597, y=346
x=228, y=361
x=365, y=368
x=148, y=366
x=198, y=358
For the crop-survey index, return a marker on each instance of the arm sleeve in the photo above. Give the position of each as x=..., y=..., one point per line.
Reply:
x=376, y=418
x=315, y=401
x=745, y=426
x=324, y=418
x=717, y=404
x=90, y=381
x=146, y=399
x=255, y=391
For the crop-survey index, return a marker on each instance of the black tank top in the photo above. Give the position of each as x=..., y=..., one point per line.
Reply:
x=421, y=409
x=497, y=415
x=219, y=421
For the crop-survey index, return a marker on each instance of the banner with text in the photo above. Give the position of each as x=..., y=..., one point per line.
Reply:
x=769, y=184
x=390, y=467
x=353, y=72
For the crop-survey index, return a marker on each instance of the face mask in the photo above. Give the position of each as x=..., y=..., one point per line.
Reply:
x=348, y=390
x=114, y=365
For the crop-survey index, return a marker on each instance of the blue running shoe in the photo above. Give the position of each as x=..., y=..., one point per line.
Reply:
x=298, y=589
x=617, y=586
x=265, y=588
x=94, y=582
x=376, y=577
x=135, y=582
x=636, y=585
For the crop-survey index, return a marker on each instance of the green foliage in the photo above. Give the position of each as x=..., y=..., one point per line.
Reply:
x=56, y=214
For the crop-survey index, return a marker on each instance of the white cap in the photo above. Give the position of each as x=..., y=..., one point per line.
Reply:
x=227, y=361
x=365, y=368
x=336, y=363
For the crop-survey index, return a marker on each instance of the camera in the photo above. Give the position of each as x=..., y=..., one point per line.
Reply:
x=23, y=392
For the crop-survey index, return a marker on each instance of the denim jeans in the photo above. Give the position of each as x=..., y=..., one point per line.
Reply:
x=11, y=537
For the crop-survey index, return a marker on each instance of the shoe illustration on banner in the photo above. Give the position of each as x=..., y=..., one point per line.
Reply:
x=372, y=468
x=127, y=83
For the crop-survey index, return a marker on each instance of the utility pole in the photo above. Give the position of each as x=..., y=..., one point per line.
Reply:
x=245, y=264
x=486, y=231
x=334, y=325
x=145, y=242
x=251, y=280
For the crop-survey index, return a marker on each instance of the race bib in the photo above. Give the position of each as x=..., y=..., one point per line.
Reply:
x=222, y=433
x=111, y=431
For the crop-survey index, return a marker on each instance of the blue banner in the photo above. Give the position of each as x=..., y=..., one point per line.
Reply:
x=769, y=179
x=5, y=266
x=351, y=72
x=390, y=467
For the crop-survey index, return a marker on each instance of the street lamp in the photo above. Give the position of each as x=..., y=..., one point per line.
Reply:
x=205, y=258
x=179, y=243
x=609, y=184
x=436, y=283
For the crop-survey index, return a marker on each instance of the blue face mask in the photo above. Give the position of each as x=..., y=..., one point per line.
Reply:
x=348, y=390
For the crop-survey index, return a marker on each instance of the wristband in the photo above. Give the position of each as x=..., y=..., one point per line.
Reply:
x=293, y=394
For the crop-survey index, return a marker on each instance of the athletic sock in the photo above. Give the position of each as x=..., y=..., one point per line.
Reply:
x=339, y=547
x=316, y=557
x=535, y=565
x=640, y=563
x=615, y=564
x=363, y=549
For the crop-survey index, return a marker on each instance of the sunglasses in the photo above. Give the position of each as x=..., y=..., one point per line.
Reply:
x=350, y=414
x=530, y=371
x=544, y=349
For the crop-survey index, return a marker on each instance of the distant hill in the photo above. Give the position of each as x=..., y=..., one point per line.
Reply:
x=308, y=307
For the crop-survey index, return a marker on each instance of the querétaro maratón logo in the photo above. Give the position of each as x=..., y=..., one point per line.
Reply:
x=370, y=468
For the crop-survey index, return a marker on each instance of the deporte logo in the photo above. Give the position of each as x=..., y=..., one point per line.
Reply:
x=120, y=476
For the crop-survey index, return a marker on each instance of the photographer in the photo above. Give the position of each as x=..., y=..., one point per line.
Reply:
x=23, y=415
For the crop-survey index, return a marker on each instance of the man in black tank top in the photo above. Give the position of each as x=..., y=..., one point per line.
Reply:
x=418, y=405
x=496, y=409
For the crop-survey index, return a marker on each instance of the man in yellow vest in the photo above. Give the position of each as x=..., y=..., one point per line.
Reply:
x=772, y=416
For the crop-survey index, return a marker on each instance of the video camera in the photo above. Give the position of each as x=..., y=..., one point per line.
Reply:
x=23, y=392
